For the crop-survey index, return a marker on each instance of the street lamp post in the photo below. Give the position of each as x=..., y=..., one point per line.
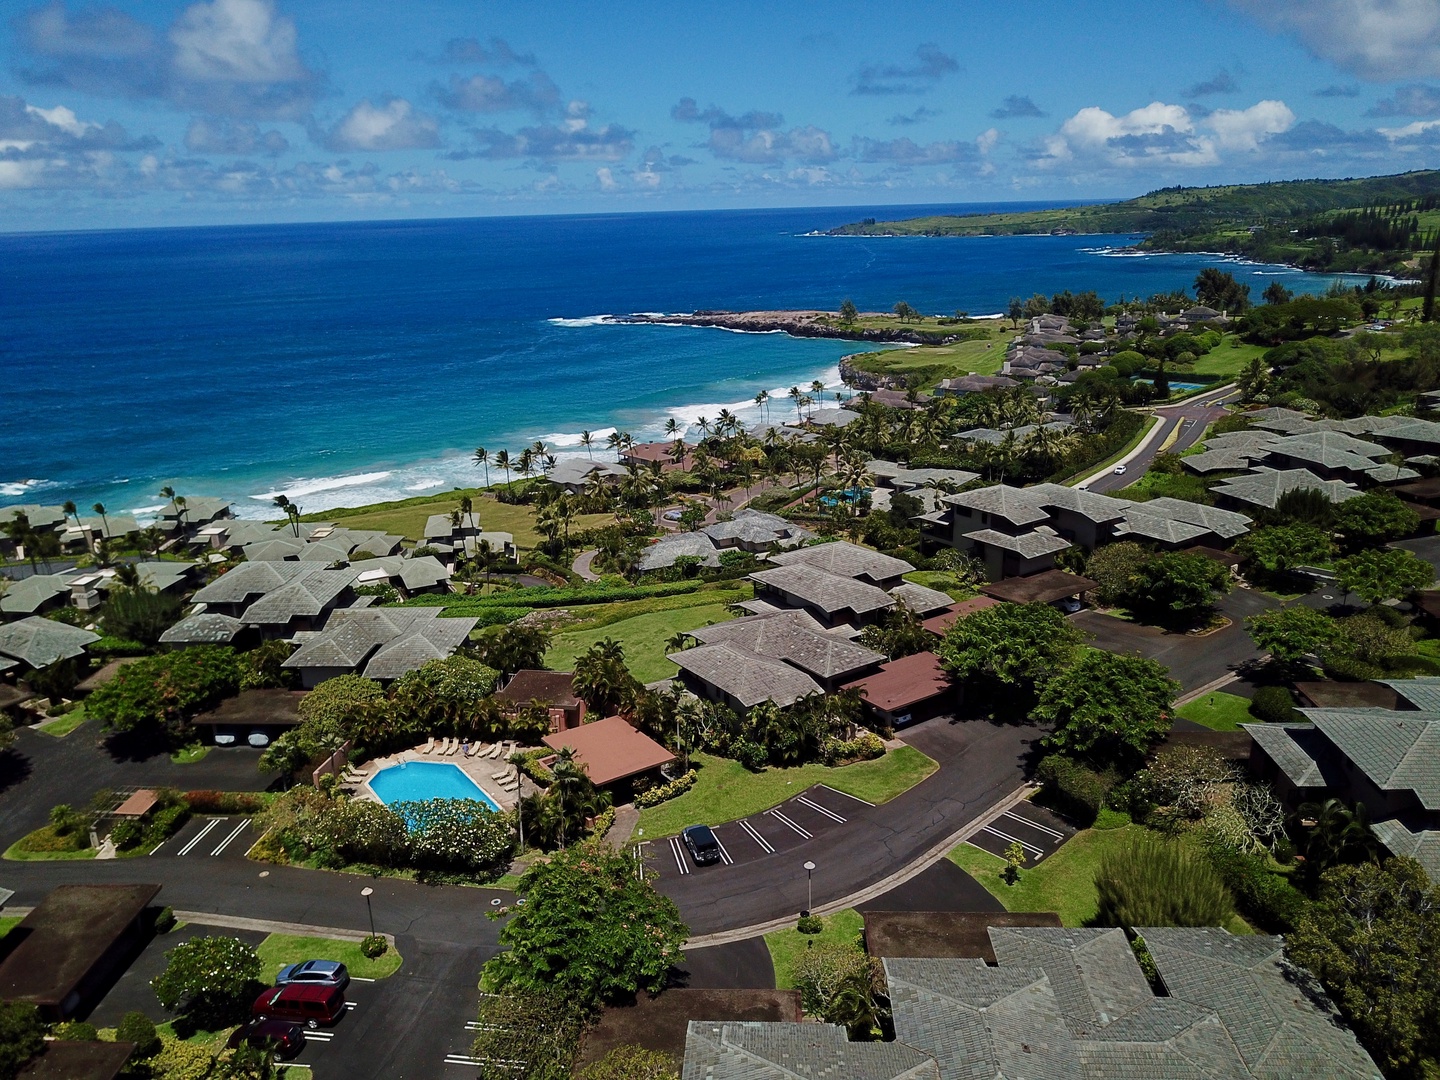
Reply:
x=367, y=892
x=809, y=887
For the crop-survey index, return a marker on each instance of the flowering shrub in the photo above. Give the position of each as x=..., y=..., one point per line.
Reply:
x=656, y=795
x=225, y=802
x=456, y=835
x=863, y=747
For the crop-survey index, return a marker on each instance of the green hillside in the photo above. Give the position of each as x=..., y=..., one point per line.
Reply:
x=1301, y=221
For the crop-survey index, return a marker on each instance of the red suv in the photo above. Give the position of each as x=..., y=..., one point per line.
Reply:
x=301, y=1003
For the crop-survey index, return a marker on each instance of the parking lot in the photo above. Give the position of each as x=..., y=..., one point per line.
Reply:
x=1037, y=830
x=209, y=838
x=817, y=810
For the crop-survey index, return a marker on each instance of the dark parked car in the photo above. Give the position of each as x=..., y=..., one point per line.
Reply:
x=315, y=973
x=309, y=1005
x=280, y=1036
x=704, y=848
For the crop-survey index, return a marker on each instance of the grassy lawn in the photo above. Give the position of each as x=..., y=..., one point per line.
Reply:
x=1224, y=361
x=1218, y=711
x=8, y=923
x=786, y=945
x=1064, y=883
x=643, y=636
x=43, y=845
x=277, y=950
x=188, y=755
x=63, y=725
x=931, y=363
x=939, y=579
x=725, y=790
x=1100, y=466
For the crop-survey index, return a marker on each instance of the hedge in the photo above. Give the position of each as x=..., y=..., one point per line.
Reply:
x=1076, y=790
x=225, y=802
x=656, y=795
x=537, y=596
x=1266, y=897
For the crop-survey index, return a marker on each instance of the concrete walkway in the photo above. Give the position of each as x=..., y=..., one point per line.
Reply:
x=582, y=563
x=626, y=818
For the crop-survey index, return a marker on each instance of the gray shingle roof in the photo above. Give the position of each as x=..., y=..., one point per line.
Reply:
x=746, y=676
x=387, y=642
x=828, y=592
x=203, y=628
x=307, y=595
x=1281, y=743
x=38, y=641
x=846, y=560
x=426, y=572
x=249, y=579
x=667, y=549
x=1030, y=545
x=921, y=599
x=1222, y=459
x=30, y=594
x=276, y=548
x=1264, y=486
x=756, y=528
x=1397, y=751
x=1423, y=693
x=1422, y=845
x=1223, y=523
x=736, y=1050
x=794, y=637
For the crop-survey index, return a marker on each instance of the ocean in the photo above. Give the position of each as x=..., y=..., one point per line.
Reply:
x=343, y=364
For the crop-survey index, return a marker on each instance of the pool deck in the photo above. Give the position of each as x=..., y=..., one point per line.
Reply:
x=477, y=767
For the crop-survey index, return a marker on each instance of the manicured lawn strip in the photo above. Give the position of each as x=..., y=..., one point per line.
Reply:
x=19, y=851
x=1218, y=711
x=786, y=945
x=63, y=725
x=1091, y=470
x=725, y=790
x=8, y=923
x=939, y=579
x=277, y=950
x=592, y=616
x=644, y=639
x=1064, y=883
x=188, y=755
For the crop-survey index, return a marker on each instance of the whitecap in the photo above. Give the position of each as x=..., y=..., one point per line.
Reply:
x=425, y=485
x=588, y=320
x=302, y=487
x=137, y=511
x=21, y=487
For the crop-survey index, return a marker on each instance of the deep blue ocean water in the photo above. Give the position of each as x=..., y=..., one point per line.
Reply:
x=347, y=363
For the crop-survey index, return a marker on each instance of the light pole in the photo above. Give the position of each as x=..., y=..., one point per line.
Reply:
x=367, y=892
x=809, y=888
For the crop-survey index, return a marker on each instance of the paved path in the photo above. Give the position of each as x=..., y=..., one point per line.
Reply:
x=1185, y=421
x=582, y=563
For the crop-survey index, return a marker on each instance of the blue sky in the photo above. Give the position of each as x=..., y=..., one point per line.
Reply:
x=230, y=111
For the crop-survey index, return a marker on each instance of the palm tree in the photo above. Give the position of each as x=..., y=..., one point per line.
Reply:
x=539, y=449
x=99, y=508
x=569, y=779
x=672, y=428
x=502, y=461
x=795, y=396
x=68, y=509
x=587, y=440
x=180, y=510
x=724, y=423
x=817, y=387
x=482, y=457
x=466, y=505
x=762, y=402
x=704, y=425
x=613, y=442
x=525, y=463
x=153, y=539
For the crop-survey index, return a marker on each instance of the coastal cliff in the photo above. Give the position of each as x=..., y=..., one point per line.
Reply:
x=815, y=324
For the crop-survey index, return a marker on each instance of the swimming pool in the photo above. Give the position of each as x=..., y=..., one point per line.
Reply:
x=416, y=781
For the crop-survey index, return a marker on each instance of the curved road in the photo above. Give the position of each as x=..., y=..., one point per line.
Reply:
x=1190, y=418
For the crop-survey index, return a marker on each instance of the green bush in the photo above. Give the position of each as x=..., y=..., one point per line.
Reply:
x=225, y=802
x=662, y=792
x=1072, y=788
x=167, y=690
x=165, y=921
x=1266, y=898
x=127, y=834
x=137, y=1028
x=864, y=747
x=810, y=924
x=373, y=946
x=1156, y=883
x=539, y=596
x=1274, y=705
x=75, y=1031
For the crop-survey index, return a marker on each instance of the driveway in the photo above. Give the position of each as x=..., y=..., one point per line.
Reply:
x=1194, y=661
x=980, y=763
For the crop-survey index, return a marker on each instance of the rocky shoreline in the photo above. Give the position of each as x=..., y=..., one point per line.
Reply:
x=794, y=323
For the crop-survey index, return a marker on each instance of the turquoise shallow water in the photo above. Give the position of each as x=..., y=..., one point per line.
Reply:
x=417, y=781
x=347, y=363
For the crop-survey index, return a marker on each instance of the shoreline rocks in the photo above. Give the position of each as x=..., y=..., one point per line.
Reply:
x=794, y=323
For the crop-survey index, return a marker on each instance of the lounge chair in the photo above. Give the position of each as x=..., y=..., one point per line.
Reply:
x=447, y=747
x=429, y=745
x=495, y=750
x=478, y=750
x=499, y=776
x=454, y=748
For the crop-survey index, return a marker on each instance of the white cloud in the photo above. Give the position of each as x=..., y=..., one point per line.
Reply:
x=64, y=119
x=606, y=179
x=1409, y=131
x=1160, y=134
x=1381, y=40
x=236, y=41
x=392, y=125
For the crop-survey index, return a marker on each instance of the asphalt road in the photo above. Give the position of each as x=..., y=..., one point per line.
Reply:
x=1191, y=417
x=980, y=763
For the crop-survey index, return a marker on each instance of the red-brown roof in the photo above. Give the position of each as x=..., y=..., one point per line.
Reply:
x=938, y=624
x=659, y=451
x=137, y=805
x=546, y=687
x=904, y=683
x=1042, y=588
x=611, y=750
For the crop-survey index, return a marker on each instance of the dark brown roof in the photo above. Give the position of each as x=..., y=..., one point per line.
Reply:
x=1347, y=695
x=903, y=683
x=1224, y=558
x=1427, y=488
x=10, y=696
x=256, y=707
x=611, y=750
x=938, y=624
x=66, y=936
x=548, y=687
x=78, y=1061
x=659, y=1023
x=138, y=804
x=1429, y=603
x=1230, y=745
x=1042, y=588
x=943, y=934
x=104, y=675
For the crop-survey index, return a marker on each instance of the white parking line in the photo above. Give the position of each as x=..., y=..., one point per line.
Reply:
x=1034, y=825
x=1037, y=852
x=350, y=1004
x=820, y=809
x=724, y=853
x=474, y=1063
x=360, y=978
x=297, y=1065
x=319, y=1036
x=677, y=850
x=847, y=795
x=202, y=834
x=764, y=844
x=777, y=814
x=233, y=833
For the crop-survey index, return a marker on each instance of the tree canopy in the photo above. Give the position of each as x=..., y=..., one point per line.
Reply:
x=1293, y=632
x=208, y=978
x=1178, y=584
x=1280, y=548
x=591, y=927
x=167, y=690
x=1106, y=702
x=1375, y=516
x=1013, y=647
x=1379, y=574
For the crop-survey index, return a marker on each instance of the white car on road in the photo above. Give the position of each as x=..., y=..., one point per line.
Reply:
x=1118, y=470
